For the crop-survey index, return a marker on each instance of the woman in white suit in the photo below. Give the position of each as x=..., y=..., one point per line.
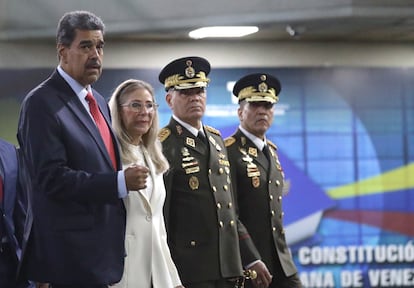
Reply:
x=148, y=263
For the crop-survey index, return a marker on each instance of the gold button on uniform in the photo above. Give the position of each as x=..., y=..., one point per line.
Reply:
x=221, y=224
x=230, y=205
x=214, y=189
x=193, y=243
x=218, y=205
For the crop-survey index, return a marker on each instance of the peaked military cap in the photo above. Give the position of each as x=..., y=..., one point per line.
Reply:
x=257, y=87
x=185, y=73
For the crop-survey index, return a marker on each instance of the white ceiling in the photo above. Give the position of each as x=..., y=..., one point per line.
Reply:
x=311, y=20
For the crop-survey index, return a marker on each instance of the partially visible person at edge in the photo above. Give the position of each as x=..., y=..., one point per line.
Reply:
x=148, y=263
x=202, y=225
x=78, y=230
x=13, y=211
x=259, y=180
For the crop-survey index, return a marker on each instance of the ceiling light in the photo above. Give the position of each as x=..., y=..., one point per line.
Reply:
x=223, y=31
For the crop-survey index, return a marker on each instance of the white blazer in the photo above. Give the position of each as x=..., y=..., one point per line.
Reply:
x=148, y=256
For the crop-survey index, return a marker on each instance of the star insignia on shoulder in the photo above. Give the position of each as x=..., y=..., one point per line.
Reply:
x=212, y=130
x=229, y=141
x=163, y=134
x=271, y=144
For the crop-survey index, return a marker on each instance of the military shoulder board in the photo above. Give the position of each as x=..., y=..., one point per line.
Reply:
x=163, y=134
x=212, y=130
x=273, y=145
x=229, y=141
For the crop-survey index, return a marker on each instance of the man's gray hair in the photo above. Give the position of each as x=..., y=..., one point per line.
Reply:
x=76, y=20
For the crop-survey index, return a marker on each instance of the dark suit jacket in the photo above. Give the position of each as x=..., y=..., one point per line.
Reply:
x=14, y=206
x=202, y=225
x=78, y=227
x=258, y=187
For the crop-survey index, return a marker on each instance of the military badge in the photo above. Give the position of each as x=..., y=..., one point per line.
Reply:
x=179, y=129
x=253, y=151
x=184, y=152
x=193, y=183
x=252, y=170
x=224, y=162
x=255, y=181
x=189, y=71
x=189, y=163
x=263, y=87
x=192, y=170
x=243, y=141
x=190, y=142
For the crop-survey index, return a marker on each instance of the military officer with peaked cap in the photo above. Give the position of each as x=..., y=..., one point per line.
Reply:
x=202, y=226
x=258, y=179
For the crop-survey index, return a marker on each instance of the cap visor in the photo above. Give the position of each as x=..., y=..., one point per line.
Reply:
x=261, y=99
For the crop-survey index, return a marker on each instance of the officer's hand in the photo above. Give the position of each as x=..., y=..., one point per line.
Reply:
x=136, y=177
x=264, y=278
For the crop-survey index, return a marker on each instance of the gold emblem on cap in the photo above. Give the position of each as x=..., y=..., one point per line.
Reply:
x=193, y=182
x=263, y=77
x=263, y=87
x=189, y=71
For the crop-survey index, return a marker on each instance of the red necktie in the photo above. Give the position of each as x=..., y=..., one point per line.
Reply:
x=102, y=126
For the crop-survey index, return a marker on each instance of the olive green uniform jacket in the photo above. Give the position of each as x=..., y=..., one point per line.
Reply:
x=202, y=226
x=259, y=186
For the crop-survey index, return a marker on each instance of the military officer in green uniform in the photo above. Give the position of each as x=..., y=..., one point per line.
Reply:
x=204, y=233
x=258, y=178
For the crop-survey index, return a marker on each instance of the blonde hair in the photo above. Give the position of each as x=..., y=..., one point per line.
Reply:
x=149, y=139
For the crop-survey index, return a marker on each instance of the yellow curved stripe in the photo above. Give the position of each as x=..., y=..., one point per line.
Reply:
x=397, y=179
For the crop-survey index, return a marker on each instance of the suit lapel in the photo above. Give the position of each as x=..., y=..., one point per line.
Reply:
x=76, y=107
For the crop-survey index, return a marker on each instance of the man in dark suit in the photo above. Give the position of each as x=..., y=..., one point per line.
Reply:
x=258, y=178
x=202, y=226
x=13, y=211
x=77, y=236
